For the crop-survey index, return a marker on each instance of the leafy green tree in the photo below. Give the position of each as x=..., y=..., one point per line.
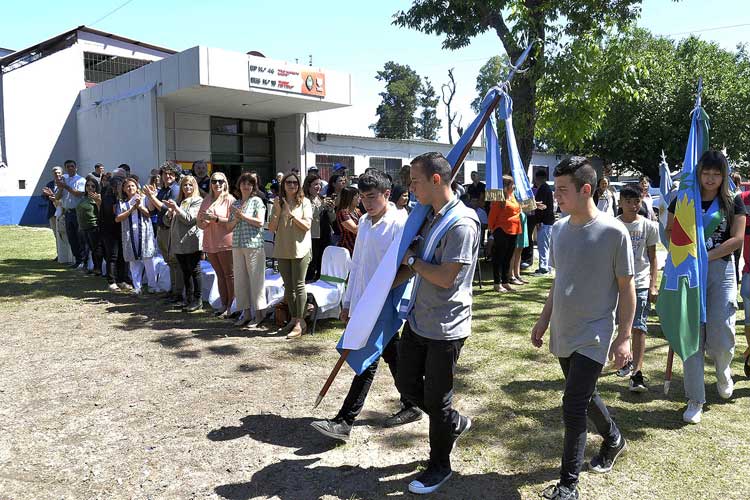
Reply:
x=400, y=99
x=516, y=22
x=428, y=123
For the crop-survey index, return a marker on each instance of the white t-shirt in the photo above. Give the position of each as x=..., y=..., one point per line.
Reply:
x=643, y=234
x=371, y=245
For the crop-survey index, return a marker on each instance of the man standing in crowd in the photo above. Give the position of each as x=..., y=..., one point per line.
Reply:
x=439, y=312
x=593, y=262
x=544, y=218
x=49, y=192
x=170, y=190
x=200, y=171
x=476, y=189
x=70, y=190
x=378, y=228
x=98, y=171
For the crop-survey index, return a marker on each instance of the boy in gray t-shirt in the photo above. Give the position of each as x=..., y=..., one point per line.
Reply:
x=593, y=262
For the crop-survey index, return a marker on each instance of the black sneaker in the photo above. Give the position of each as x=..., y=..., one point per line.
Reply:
x=464, y=424
x=332, y=429
x=626, y=370
x=430, y=480
x=193, y=306
x=403, y=416
x=541, y=272
x=638, y=383
x=605, y=459
x=559, y=492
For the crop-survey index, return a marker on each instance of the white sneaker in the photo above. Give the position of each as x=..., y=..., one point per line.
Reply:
x=114, y=288
x=693, y=413
x=124, y=286
x=725, y=389
x=136, y=292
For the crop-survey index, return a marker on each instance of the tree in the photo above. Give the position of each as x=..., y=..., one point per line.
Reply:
x=428, y=123
x=653, y=82
x=449, y=91
x=399, y=104
x=516, y=22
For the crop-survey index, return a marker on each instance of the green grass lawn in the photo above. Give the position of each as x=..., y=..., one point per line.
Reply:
x=513, y=393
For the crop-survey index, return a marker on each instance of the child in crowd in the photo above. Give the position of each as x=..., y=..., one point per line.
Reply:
x=644, y=235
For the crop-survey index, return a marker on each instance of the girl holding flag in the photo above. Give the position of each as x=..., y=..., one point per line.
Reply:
x=724, y=226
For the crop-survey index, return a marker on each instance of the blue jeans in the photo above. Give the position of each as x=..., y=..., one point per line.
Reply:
x=543, y=240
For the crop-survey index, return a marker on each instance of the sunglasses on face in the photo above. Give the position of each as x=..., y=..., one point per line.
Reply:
x=217, y=181
x=292, y=183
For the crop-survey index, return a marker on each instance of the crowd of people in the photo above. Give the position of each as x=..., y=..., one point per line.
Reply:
x=602, y=251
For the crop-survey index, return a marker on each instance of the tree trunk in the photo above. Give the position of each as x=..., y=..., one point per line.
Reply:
x=523, y=92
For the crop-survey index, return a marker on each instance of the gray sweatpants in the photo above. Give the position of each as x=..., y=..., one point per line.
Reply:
x=717, y=334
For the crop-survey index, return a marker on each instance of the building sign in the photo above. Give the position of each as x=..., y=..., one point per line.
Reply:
x=275, y=75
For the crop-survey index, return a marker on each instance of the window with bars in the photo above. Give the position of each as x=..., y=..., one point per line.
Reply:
x=102, y=67
x=391, y=166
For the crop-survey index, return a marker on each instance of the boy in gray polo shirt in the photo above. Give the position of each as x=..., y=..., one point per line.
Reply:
x=439, y=318
x=593, y=261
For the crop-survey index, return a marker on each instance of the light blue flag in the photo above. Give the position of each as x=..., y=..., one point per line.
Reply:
x=375, y=321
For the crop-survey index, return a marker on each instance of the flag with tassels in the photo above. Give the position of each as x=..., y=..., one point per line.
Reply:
x=493, y=161
x=682, y=298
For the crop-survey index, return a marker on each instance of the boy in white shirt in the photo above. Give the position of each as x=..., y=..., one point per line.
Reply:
x=382, y=224
x=644, y=235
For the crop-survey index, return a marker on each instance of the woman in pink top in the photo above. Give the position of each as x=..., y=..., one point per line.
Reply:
x=217, y=237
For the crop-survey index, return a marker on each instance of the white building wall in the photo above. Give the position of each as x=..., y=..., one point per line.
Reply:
x=120, y=130
x=39, y=102
x=289, y=145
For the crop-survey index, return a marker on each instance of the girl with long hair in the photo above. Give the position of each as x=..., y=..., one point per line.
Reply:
x=185, y=241
x=137, y=236
x=312, y=187
x=604, y=197
x=87, y=212
x=290, y=221
x=347, y=217
x=248, y=255
x=724, y=228
x=213, y=219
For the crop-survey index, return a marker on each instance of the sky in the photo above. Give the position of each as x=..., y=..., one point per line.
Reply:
x=341, y=35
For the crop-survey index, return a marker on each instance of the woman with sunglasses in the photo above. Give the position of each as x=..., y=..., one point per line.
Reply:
x=138, y=245
x=185, y=239
x=291, y=220
x=213, y=218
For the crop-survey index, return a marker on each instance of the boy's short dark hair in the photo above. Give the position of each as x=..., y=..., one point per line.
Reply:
x=373, y=179
x=630, y=192
x=541, y=173
x=434, y=163
x=580, y=170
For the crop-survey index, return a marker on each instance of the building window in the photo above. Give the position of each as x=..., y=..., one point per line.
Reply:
x=101, y=67
x=482, y=171
x=242, y=145
x=391, y=166
x=21, y=184
x=325, y=164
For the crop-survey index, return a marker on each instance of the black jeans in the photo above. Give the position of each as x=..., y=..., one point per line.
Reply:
x=75, y=237
x=94, y=244
x=581, y=399
x=313, y=270
x=355, y=399
x=425, y=377
x=502, y=254
x=527, y=254
x=117, y=271
x=190, y=264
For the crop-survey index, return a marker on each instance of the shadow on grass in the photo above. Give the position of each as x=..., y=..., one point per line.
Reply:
x=303, y=480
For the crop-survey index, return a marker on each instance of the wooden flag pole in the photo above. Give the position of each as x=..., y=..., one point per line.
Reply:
x=668, y=373
x=454, y=173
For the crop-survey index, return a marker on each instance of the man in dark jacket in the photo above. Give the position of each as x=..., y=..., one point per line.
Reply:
x=544, y=217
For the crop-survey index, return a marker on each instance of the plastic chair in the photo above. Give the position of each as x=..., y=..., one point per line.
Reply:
x=326, y=294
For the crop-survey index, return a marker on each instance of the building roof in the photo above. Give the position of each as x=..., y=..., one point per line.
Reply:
x=56, y=40
x=385, y=139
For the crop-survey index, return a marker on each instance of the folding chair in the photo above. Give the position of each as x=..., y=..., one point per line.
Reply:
x=327, y=293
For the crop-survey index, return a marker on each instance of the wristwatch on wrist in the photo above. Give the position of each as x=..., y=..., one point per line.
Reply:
x=411, y=261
